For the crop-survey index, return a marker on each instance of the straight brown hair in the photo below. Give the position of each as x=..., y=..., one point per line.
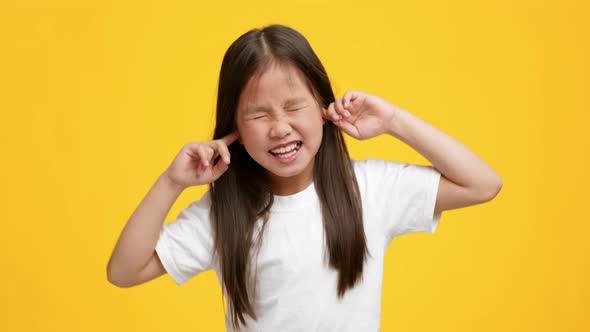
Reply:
x=242, y=195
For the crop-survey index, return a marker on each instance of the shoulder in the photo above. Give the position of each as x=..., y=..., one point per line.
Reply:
x=386, y=177
x=196, y=212
x=379, y=167
x=360, y=164
x=371, y=173
x=203, y=203
x=375, y=168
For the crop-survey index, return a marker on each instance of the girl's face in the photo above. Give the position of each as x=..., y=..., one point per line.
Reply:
x=280, y=125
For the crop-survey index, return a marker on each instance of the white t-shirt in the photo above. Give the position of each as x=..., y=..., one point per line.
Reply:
x=295, y=289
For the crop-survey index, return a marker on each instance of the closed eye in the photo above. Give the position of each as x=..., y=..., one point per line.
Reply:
x=296, y=109
x=258, y=117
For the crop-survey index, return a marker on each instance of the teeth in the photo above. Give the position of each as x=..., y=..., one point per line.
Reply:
x=287, y=155
x=284, y=149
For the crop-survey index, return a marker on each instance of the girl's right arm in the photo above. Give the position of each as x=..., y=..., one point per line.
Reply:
x=134, y=259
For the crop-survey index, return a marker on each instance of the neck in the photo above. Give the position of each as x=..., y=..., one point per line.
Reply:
x=288, y=186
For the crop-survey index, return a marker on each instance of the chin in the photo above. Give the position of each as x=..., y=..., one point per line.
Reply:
x=275, y=169
x=286, y=174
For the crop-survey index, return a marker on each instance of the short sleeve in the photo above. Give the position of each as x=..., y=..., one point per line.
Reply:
x=400, y=196
x=185, y=245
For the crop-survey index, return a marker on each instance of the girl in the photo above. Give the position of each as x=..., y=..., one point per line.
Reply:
x=295, y=230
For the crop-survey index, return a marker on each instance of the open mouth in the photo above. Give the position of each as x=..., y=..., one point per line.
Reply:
x=287, y=151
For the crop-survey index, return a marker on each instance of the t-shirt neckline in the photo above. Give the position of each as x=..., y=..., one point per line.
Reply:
x=294, y=201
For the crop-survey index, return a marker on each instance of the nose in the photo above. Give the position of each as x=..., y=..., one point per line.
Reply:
x=280, y=127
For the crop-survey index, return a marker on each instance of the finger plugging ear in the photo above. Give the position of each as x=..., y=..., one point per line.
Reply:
x=340, y=108
x=229, y=139
x=331, y=113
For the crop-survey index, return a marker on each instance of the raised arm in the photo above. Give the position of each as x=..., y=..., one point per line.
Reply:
x=466, y=179
x=134, y=259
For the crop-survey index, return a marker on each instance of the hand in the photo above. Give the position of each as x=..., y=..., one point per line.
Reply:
x=194, y=166
x=361, y=115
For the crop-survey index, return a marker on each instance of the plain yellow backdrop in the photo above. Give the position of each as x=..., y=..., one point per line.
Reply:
x=97, y=97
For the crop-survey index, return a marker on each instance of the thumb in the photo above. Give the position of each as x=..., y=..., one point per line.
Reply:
x=219, y=169
x=349, y=128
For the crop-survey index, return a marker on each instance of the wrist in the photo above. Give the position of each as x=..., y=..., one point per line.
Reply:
x=167, y=182
x=392, y=126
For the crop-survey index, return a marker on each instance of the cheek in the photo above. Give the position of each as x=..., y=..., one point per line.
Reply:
x=251, y=134
x=313, y=125
x=254, y=128
x=315, y=118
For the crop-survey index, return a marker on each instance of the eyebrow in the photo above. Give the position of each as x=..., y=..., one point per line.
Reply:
x=289, y=102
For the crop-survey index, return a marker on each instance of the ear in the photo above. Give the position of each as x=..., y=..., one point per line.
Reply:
x=235, y=128
x=324, y=112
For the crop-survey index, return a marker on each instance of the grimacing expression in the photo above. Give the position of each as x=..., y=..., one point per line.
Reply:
x=280, y=123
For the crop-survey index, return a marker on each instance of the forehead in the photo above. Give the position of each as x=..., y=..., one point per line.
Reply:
x=276, y=85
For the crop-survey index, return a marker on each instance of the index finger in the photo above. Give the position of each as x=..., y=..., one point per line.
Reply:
x=229, y=139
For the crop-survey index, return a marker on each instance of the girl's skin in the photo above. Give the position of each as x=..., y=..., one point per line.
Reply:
x=276, y=109
x=466, y=179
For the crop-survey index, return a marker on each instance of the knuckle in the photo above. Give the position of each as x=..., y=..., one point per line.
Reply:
x=195, y=148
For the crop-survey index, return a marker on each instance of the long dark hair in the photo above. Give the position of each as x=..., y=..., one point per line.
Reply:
x=243, y=193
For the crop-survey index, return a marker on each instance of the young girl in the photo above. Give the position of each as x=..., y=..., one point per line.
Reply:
x=295, y=230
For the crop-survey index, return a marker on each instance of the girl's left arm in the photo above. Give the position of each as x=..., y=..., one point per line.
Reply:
x=465, y=178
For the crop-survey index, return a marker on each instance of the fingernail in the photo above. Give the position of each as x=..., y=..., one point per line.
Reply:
x=346, y=113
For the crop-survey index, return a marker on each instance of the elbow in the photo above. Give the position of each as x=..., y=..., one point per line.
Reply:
x=492, y=190
x=116, y=279
x=121, y=283
x=111, y=277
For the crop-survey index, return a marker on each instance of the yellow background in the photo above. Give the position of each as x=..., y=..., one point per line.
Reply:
x=97, y=97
